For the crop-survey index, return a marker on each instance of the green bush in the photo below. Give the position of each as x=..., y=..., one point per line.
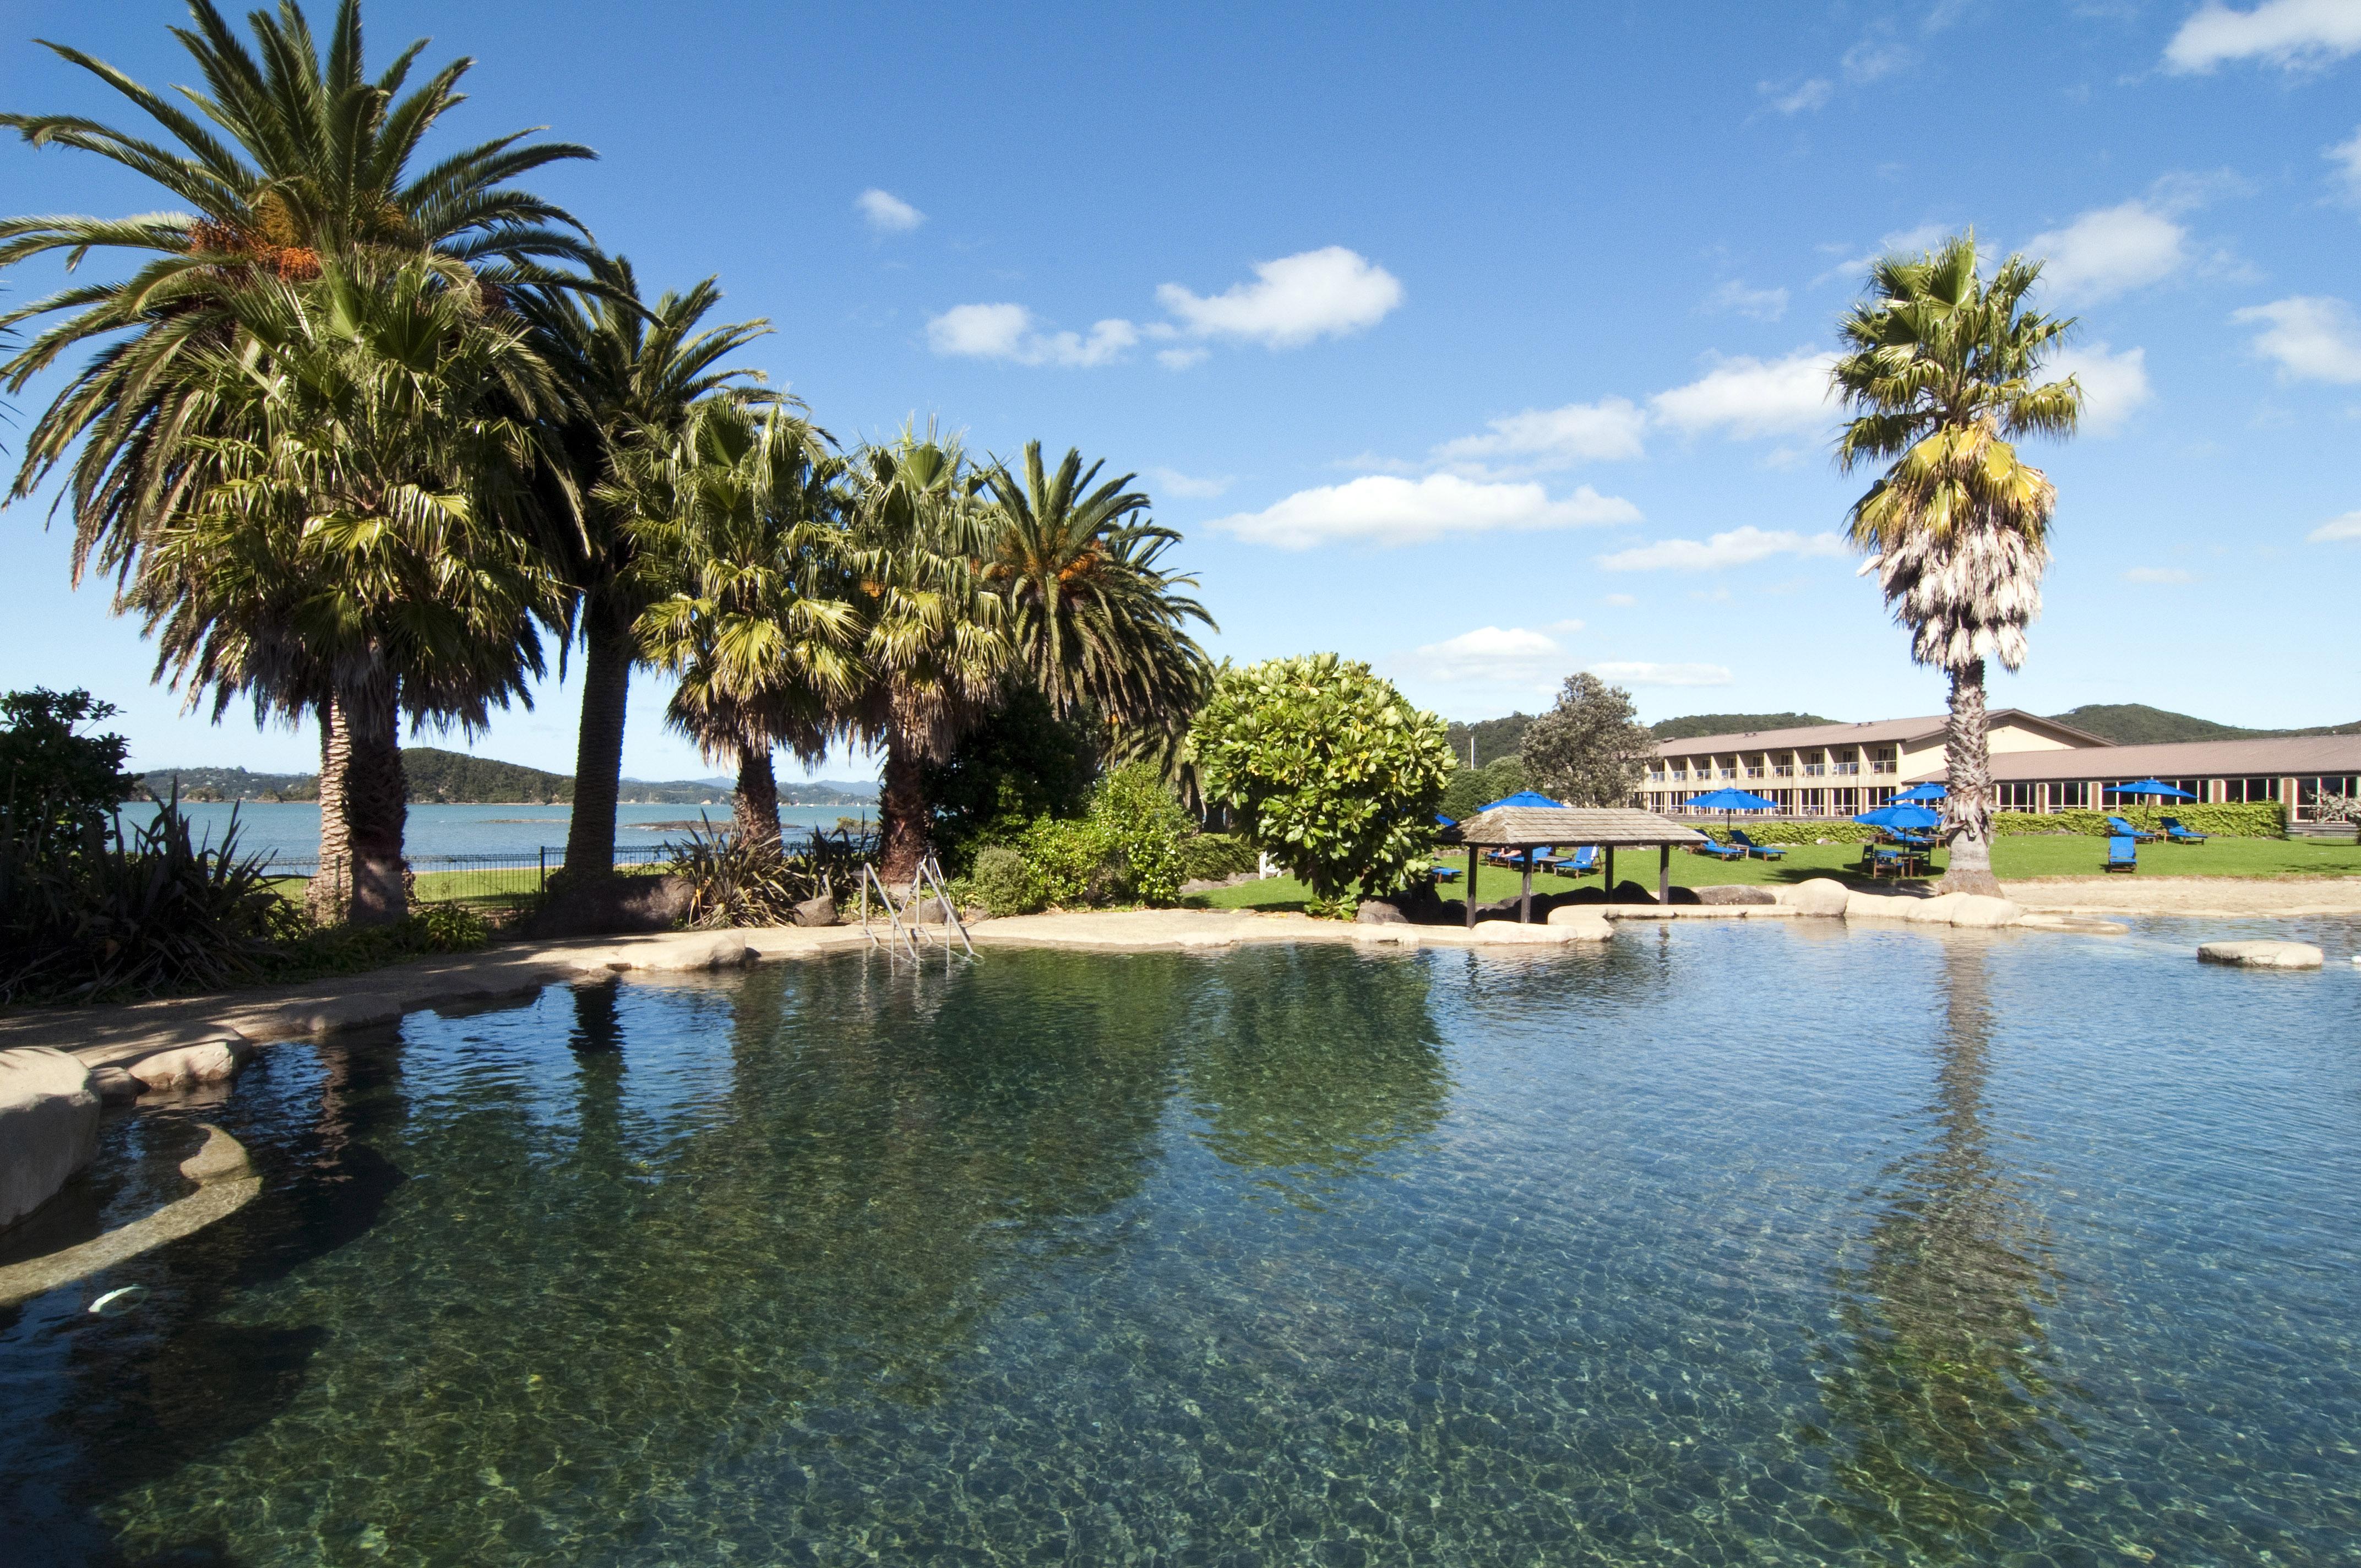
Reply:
x=1468, y=789
x=1143, y=827
x=451, y=928
x=1329, y=768
x=1004, y=883
x=1211, y=856
x=2266, y=819
x=1835, y=829
x=1071, y=857
x=1022, y=762
x=58, y=787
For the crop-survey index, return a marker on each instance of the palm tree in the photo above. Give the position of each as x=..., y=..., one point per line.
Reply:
x=740, y=535
x=1092, y=619
x=360, y=542
x=936, y=639
x=634, y=372
x=1944, y=364
x=286, y=162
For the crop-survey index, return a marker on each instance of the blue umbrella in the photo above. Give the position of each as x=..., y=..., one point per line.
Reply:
x=2156, y=787
x=1904, y=818
x=1732, y=800
x=1523, y=797
x=1922, y=792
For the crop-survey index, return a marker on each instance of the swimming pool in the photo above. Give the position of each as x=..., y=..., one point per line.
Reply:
x=1794, y=1243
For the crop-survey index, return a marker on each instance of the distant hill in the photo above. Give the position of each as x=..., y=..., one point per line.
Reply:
x=440, y=777
x=1698, y=723
x=1495, y=737
x=2136, y=724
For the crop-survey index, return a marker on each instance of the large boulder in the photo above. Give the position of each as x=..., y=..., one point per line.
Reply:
x=820, y=911
x=2263, y=955
x=206, y=1062
x=608, y=906
x=1733, y=894
x=1630, y=893
x=699, y=950
x=1975, y=909
x=1581, y=924
x=48, y=1126
x=1819, y=895
x=1377, y=912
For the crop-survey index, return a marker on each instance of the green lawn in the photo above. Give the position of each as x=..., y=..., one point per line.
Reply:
x=2013, y=859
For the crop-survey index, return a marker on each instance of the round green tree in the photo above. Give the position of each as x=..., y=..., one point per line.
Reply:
x=1330, y=771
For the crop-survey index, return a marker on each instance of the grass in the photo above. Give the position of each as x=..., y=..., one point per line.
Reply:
x=2016, y=858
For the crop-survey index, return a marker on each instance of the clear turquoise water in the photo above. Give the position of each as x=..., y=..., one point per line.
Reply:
x=1789, y=1246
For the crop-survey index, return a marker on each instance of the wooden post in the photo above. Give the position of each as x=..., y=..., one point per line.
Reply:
x=1525, y=904
x=1475, y=859
x=1609, y=874
x=1663, y=874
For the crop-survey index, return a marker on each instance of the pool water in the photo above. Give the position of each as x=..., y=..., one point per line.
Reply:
x=1792, y=1244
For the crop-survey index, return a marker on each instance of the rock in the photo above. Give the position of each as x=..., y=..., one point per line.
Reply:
x=1885, y=907
x=1686, y=896
x=48, y=1126
x=208, y=1061
x=1730, y=895
x=1975, y=909
x=114, y=1086
x=1819, y=895
x=1377, y=912
x=1583, y=895
x=820, y=911
x=1499, y=909
x=608, y=906
x=1447, y=912
x=1630, y=893
x=719, y=950
x=1586, y=924
x=2263, y=955
x=222, y=1158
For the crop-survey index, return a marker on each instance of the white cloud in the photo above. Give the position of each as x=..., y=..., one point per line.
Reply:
x=2158, y=574
x=2292, y=34
x=1900, y=242
x=2336, y=528
x=1172, y=482
x=1504, y=655
x=2113, y=384
x=1646, y=674
x=886, y=212
x=1182, y=358
x=1763, y=304
x=1325, y=293
x=1539, y=440
x=1011, y=332
x=1749, y=396
x=2346, y=154
x=1383, y=510
x=1813, y=94
x=1739, y=547
x=1621, y=601
x=1876, y=55
x=2312, y=336
x=2106, y=252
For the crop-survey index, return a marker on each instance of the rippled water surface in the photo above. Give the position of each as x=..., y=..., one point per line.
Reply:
x=1786, y=1244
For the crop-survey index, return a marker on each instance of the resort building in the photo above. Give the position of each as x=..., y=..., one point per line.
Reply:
x=2038, y=765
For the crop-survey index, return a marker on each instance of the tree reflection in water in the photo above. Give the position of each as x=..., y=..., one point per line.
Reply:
x=1942, y=1399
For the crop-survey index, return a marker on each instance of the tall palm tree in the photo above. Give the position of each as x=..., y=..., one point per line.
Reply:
x=634, y=371
x=286, y=162
x=1944, y=365
x=360, y=542
x=1092, y=619
x=741, y=543
x=936, y=639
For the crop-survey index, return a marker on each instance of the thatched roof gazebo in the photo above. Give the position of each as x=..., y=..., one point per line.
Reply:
x=1530, y=827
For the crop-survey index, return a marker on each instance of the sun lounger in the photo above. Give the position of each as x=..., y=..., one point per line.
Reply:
x=2123, y=853
x=1445, y=873
x=1582, y=862
x=1768, y=852
x=2124, y=829
x=1719, y=851
x=2174, y=833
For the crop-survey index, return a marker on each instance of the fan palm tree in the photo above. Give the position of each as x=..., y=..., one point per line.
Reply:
x=1092, y=619
x=936, y=638
x=634, y=371
x=288, y=160
x=1944, y=367
x=362, y=539
x=742, y=548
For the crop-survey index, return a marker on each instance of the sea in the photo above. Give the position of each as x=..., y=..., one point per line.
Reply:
x=291, y=830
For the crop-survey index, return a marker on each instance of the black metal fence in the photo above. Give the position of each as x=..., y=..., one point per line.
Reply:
x=490, y=880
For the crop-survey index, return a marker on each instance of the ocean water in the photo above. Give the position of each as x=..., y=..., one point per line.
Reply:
x=1791, y=1244
x=293, y=829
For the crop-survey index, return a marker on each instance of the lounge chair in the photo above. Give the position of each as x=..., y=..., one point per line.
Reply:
x=1768, y=852
x=1719, y=851
x=1512, y=858
x=2124, y=829
x=2123, y=853
x=2174, y=833
x=1445, y=873
x=1582, y=862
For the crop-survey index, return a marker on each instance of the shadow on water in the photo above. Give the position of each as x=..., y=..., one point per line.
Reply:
x=1947, y=1424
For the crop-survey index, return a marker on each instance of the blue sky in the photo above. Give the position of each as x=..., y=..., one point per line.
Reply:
x=1483, y=346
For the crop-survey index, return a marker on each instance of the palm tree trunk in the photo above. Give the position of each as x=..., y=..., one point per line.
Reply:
x=902, y=805
x=376, y=803
x=1969, y=784
x=756, y=804
x=328, y=899
x=599, y=746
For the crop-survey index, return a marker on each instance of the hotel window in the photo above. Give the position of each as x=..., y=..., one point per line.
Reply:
x=1784, y=770
x=2308, y=791
x=1848, y=801
x=1881, y=759
x=1753, y=766
x=2075, y=796
x=2019, y=796
x=1814, y=763
x=2240, y=792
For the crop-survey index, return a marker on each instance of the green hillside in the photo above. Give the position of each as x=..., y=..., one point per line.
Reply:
x=1495, y=737
x=454, y=778
x=1698, y=723
x=2136, y=724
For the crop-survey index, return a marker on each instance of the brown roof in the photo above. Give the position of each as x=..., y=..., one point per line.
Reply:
x=2186, y=760
x=1876, y=732
x=1524, y=827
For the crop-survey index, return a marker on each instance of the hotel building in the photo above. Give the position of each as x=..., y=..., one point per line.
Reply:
x=2038, y=765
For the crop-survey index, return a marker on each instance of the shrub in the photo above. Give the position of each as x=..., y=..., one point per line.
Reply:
x=1021, y=762
x=1589, y=749
x=1329, y=768
x=1211, y=856
x=451, y=928
x=58, y=787
x=1143, y=827
x=733, y=882
x=2265, y=819
x=1004, y=883
x=1071, y=860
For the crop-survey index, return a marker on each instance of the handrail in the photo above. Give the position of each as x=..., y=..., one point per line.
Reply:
x=901, y=937
x=932, y=871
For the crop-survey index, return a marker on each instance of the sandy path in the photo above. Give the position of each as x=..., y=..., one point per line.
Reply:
x=2208, y=896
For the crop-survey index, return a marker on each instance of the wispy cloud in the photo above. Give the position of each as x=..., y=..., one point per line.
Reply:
x=1749, y=396
x=1878, y=55
x=1012, y=332
x=886, y=212
x=1812, y=94
x=1494, y=655
x=2114, y=385
x=1763, y=304
x=2346, y=156
x=2294, y=35
x=1625, y=674
x=2312, y=336
x=1383, y=510
x=2337, y=530
x=1541, y=440
x=2159, y=575
x=1738, y=547
x=1900, y=242
x=1172, y=482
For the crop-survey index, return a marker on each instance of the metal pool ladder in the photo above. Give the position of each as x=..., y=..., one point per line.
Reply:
x=911, y=937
